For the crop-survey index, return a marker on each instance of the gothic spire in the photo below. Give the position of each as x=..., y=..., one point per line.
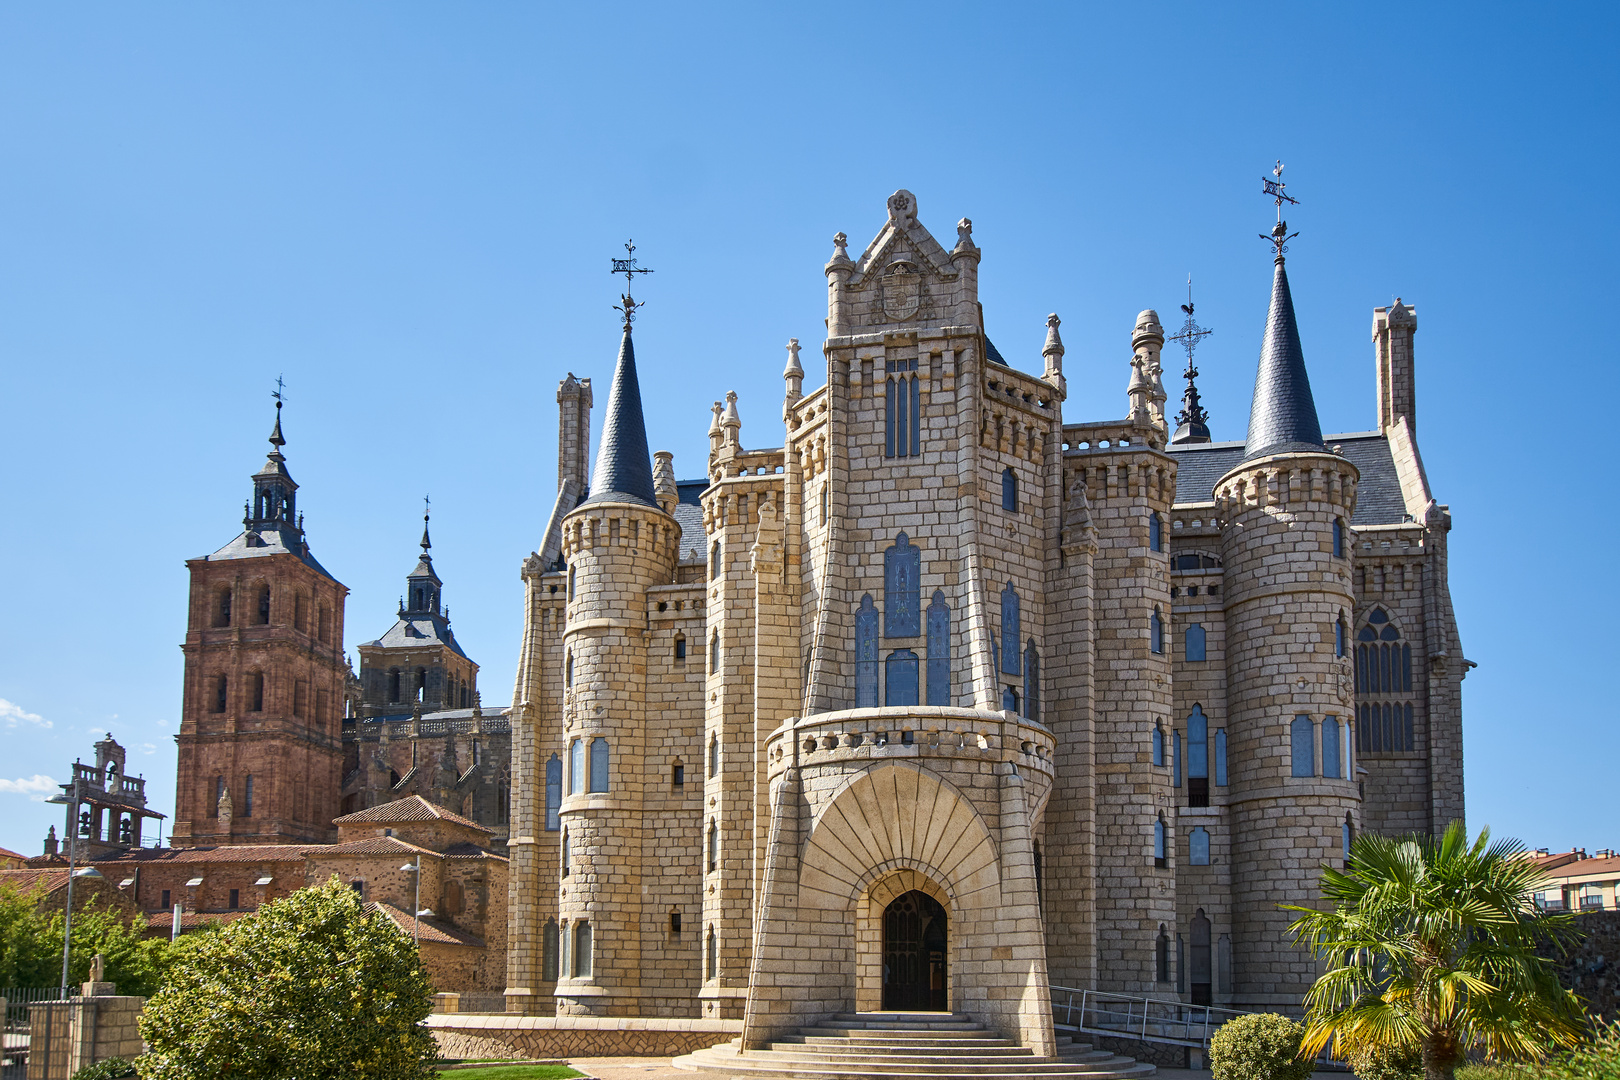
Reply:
x=623, y=470
x=427, y=508
x=1282, y=417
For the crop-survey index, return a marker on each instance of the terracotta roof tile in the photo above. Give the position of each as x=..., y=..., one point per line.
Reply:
x=438, y=935
x=237, y=853
x=470, y=851
x=410, y=808
x=374, y=845
x=24, y=879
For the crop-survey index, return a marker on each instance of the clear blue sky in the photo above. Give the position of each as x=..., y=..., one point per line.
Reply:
x=408, y=210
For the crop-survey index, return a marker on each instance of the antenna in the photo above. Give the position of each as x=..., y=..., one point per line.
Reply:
x=627, y=266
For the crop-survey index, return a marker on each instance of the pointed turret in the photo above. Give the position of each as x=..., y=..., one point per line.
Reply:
x=623, y=466
x=1283, y=416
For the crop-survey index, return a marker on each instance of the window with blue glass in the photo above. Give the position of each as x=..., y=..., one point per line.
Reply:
x=1194, y=641
x=1156, y=632
x=1197, y=757
x=1302, y=735
x=1010, y=658
x=1009, y=489
x=1330, y=747
x=1009, y=699
x=1220, y=757
x=902, y=589
x=554, y=771
x=1032, y=681
x=1338, y=537
x=900, y=678
x=902, y=412
x=1155, y=533
x=599, y=764
x=1175, y=759
x=1198, y=846
x=866, y=654
x=1158, y=744
x=939, y=650
x=1159, y=858
x=1338, y=638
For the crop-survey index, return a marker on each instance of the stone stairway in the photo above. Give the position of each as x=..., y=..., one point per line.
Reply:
x=936, y=1045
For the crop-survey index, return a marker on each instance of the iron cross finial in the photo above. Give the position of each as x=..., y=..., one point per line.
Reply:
x=1193, y=414
x=627, y=266
x=1277, y=190
x=280, y=392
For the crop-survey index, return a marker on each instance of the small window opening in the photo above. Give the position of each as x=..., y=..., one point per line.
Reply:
x=1009, y=489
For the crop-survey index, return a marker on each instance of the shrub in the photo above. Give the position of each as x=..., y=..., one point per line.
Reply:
x=1259, y=1046
x=309, y=986
x=107, y=1069
x=1387, y=1063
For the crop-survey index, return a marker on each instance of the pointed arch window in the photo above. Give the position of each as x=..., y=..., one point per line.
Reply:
x=825, y=499
x=900, y=678
x=1198, y=846
x=571, y=572
x=1160, y=860
x=902, y=589
x=1161, y=956
x=582, y=949
x=939, y=650
x=1009, y=489
x=576, y=768
x=568, y=670
x=393, y=685
x=714, y=653
x=1338, y=637
x=866, y=654
x=1193, y=640
x=247, y=796
x=1347, y=837
x=1175, y=758
x=1302, y=737
x=599, y=764
x=1158, y=743
x=714, y=755
x=1384, y=710
x=1156, y=632
x=711, y=956
x=553, y=793
x=1032, y=681
x=1010, y=644
x=1155, y=532
x=567, y=855
x=714, y=561
x=714, y=846
x=1009, y=700
x=901, y=411
x=1197, y=757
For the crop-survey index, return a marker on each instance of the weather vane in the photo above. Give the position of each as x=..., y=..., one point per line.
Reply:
x=1192, y=416
x=279, y=393
x=1276, y=188
x=627, y=266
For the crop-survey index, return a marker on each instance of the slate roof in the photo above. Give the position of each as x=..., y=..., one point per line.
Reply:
x=623, y=470
x=270, y=539
x=416, y=629
x=1378, y=495
x=410, y=808
x=1282, y=416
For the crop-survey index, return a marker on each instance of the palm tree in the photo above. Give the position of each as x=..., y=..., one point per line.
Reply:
x=1431, y=945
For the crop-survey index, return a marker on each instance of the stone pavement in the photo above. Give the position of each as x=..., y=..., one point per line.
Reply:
x=636, y=1068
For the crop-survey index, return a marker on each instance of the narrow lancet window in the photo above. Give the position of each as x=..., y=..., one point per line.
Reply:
x=1220, y=757
x=902, y=589
x=866, y=658
x=939, y=650
x=1303, y=738
x=1011, y=661
x=1156, y=632
x=1330, y=747
x=553, y=793
x=599, y=764
x=1009, y=489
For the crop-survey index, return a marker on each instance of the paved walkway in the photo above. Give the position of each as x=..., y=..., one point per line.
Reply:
x=660, y=1069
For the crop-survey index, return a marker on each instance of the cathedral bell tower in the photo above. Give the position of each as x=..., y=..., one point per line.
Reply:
x=261, y=721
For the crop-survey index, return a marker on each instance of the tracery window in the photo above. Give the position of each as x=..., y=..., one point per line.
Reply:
x=939, y=650
x=1384, y=714
x=1010, y=659
x=866, y=658
x=902, y=589
x=901, y=409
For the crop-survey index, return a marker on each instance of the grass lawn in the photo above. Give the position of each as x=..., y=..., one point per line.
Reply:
x=513, y=1070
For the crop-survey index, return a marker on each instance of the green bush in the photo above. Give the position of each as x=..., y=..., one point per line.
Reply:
x=1259, y=1046
x=108, y=1069
x=1387, y=1063
x=308, y=987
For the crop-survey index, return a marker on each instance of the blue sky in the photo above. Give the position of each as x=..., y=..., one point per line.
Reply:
x=408, y=210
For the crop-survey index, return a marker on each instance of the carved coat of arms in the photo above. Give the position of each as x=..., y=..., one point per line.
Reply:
x=902, y=291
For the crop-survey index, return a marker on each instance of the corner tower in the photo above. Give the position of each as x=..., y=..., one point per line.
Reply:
x=1285, y=510
x=617, y=544
x=261, y=723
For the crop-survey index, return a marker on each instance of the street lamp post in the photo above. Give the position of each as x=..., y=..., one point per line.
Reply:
x=416, y=918
x=72, y=803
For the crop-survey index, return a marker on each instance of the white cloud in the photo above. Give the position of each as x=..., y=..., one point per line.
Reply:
x=16, y=714
x=148, y=748
x=37, y=786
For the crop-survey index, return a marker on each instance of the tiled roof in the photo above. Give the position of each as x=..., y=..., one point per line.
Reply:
x=623, y=470
x=234, y=853
x=470, y=851
x=1378, y=494
x=410, y=808
x=430, y=932
x=376, y=845
x=30, y=878
x=163, y=921
x=1282, y=416
x=7, y=853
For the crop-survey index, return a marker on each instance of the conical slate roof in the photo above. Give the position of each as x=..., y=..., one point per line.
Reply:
x=1283, y=415
x=623, y=466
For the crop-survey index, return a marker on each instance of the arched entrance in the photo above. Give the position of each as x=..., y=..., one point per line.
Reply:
x=914, y=954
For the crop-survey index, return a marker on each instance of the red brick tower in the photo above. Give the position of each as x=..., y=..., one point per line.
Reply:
x=261, y=725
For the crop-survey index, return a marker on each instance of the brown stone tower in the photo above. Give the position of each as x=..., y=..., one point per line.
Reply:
x=261, y=725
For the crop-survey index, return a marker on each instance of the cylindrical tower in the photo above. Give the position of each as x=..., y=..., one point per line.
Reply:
x=1285, y=512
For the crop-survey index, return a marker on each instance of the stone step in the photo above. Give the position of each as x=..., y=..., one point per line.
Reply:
x=768, y=1064
x=906, y=1017
x=878, y=1039
x=857, y=1027
x=790, y=1052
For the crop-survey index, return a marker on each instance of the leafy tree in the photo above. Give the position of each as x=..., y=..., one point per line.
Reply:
x=1431, y=946
x=309, y=986
x=1258, y=1046
x=26, y=957
x=31, y=944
